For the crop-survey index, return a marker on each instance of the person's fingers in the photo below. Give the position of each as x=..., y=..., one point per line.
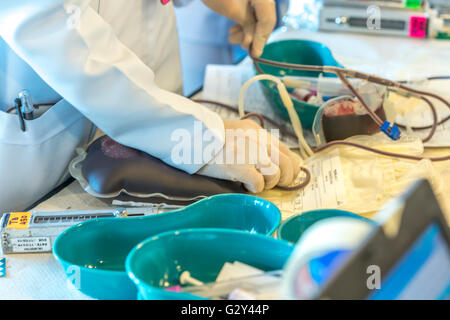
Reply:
x=284, y=148
x=236, y=34
x=248, y=30
x=235, y=29
x=271, y=181
x=259, y=160
x=277, y=153
x=280, y=155
x=288, y=162
x=252, y=179
x=266, y=19
x=236, y=10
x=242, y=35
x=295, y=159
x=287, y=170
x=296, y=162
x=285, y=165
x=247, y=174
x=271, y=174
x=252, y=166
x=260, y=156
x=248, y=27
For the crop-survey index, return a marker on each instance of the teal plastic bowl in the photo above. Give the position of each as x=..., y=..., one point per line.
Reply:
x=97, y=249
x=300, y=52
x=292, y=229
x=158, y=262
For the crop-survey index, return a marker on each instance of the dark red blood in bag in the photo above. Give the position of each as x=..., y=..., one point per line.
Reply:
x=116, y=150
x=110, y=168
x=341, y=121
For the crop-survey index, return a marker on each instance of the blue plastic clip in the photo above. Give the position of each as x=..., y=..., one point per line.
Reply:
x=392, y=132
x=2, y=267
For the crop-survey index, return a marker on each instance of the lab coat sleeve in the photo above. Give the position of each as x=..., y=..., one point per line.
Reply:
x=77, y=53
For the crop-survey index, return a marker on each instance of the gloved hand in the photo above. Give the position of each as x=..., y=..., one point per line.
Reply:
x=255, y=20
x=254, y=157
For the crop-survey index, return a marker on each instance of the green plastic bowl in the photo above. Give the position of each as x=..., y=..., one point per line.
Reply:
x=292, y=229
x=97, y=249
x=300, y=52
x=157, y=263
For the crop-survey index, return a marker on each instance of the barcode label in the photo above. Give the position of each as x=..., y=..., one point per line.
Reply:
x=36, y=244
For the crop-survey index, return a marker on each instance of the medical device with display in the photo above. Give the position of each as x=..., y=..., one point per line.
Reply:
x=409, y=19
x=29, y=232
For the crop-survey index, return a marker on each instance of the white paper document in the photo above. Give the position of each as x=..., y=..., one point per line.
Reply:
x=223, y=83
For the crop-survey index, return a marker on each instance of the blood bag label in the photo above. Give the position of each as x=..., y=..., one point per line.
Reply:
x=18, y=220
x=326, y=189
x=35, y=244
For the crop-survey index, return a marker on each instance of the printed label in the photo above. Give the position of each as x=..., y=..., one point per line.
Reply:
x=418, y=27
x=18, y=220
x=326, y=189
x=36, y=244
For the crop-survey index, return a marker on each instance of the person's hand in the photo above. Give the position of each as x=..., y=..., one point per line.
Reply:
x=255, y=20
x=254, y=157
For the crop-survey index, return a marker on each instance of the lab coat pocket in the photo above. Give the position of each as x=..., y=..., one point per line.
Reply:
x=34, y=162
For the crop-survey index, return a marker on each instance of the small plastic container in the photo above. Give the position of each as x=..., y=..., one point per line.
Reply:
x=158, y=262
x=299, y=52
x=292, y=229
x=97, y=249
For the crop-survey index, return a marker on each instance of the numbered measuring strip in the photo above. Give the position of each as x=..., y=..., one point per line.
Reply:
x=29, y=232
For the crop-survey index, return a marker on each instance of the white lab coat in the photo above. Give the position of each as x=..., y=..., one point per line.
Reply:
x=114, y=62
